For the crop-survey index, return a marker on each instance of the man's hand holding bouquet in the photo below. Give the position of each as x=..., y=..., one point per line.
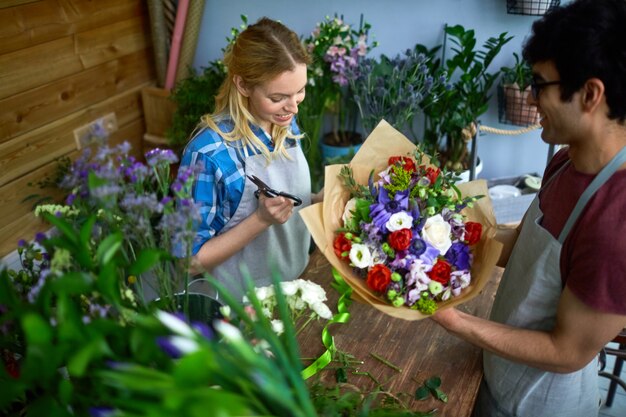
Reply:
x=403, y=235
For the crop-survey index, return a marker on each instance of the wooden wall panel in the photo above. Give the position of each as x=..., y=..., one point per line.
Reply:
x=64, y=64
x=56, y=139
x=38, y=65
x=110, y=42
x=38, y=106
x=46, y=20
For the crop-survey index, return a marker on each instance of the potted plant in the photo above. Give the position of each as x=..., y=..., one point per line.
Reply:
x=335, y=47
x=194, y=97
x=513, y=94
x=393, y=89
x=452, y=114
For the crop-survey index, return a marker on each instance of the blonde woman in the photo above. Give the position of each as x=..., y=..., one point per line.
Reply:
x=253, y=133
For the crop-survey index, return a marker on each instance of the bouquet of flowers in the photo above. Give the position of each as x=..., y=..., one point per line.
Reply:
x=406, y=235
x=443, y=249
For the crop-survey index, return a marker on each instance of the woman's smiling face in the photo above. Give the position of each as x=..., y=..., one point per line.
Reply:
x=276, y=102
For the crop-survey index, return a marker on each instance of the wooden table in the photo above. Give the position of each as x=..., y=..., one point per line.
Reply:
x=421, y=349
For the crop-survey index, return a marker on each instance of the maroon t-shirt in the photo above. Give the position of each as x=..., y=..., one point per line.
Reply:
x=593, y=257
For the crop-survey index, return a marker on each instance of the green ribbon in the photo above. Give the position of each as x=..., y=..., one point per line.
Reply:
x=342, y=316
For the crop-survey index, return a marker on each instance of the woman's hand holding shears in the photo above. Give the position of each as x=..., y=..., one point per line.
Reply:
x=275, y=207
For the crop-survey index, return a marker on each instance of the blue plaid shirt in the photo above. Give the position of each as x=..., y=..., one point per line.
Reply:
x=218, y=187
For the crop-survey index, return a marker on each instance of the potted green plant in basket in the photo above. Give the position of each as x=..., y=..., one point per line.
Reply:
x=513, y=94
x=451, y=117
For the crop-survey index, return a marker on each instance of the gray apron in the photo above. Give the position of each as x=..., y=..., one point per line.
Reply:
x=283, y=246
x=528, y=297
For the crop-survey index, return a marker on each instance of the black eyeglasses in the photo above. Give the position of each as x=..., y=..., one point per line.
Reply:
x=535, y=87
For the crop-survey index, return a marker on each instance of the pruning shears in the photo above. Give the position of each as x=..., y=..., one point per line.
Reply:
x=270, y=192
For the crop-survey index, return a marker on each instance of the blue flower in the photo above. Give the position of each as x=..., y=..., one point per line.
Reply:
x=459, y=255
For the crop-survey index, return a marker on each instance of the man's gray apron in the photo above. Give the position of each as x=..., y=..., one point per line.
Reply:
x=528, y=297
x=284, y=246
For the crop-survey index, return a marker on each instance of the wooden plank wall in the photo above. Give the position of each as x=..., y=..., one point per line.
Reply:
x=63, y=64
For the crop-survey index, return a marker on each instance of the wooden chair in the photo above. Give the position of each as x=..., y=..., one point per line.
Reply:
x=620, y=356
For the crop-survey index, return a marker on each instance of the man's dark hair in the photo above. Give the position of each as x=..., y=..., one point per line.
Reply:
x=585, y=39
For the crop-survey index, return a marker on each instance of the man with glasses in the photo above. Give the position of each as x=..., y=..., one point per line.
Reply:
x=562, y=297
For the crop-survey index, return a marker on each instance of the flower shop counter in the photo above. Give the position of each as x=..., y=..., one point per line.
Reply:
x=400, y=355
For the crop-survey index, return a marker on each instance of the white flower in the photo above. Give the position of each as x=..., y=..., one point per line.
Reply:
x=398, y=221
x=227, y=331
x=436, y=231
x=175, y=324
x=183, y=344
x=264, y=293
x=360, y=255
x=278, y=327
x=348, y=209
x=290, y=288
x=322, y=310
x=417, y=274
x=312, y=293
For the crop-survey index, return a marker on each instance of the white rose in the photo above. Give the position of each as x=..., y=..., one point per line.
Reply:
x=348, y=209
x=289, y=287
x=436, y=231
x=398, y=221
x=360, y=255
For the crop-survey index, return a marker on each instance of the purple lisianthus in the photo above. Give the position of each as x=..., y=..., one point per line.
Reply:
x=459, y=255
x=382, y=211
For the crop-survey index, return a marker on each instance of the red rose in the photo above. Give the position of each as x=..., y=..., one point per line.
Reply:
x=440, y=272
x=378, y=278
x=342, y=246
x=432, y=174
x=473, y=231
x=400, y=239
x=406, y=163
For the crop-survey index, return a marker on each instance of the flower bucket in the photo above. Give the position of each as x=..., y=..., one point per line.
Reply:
x=202, y=307
x=332, y=153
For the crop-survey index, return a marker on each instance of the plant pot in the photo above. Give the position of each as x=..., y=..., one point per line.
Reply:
x=517, y=111
x=340, y=150
x=202, y=307
x=530, y=7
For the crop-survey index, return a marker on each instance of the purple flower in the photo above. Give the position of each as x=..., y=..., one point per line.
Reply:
x=459, y=255
x=418, y=246
x=158, y=156
x=21, y=243
x=101, y=411
x=382, y=211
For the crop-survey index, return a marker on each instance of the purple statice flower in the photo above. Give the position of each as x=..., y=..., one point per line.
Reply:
x=36, y=289
x=459, y=255
x=179, y=226
x=105, y=192
x=158, y=156
x=382, y=211
x=137, y=172
x=97, y=310
x=141, y=203
x=21, y=243
x=40, y=237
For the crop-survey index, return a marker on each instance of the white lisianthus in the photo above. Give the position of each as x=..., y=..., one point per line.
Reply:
x=347, y=211
x=360, y=255
x=312, y=293
x=290, y=287
x=278, y=327
x=436, y=231
x=228, y=331
x=322, y=310
x=398, y=221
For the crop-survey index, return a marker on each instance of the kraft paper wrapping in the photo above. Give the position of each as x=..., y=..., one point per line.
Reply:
x=323, y=219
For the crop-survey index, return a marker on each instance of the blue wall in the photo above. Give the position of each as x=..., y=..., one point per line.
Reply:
x=398, y=25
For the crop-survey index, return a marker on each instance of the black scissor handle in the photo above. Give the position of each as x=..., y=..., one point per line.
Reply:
x=270, y=192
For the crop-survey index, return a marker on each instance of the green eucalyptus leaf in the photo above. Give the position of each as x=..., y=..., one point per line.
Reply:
x=433, y=382
x=422, y=393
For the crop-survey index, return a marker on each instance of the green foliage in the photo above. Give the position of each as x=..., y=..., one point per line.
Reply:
x=194, y=97
x=451, y=119
x=520, y=73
